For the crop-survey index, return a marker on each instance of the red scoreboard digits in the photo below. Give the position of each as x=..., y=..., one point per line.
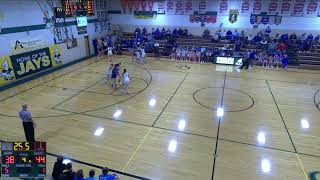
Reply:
x=9, y=159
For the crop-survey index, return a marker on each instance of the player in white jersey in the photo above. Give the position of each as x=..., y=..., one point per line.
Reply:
x=125, y=81
x=109, y=53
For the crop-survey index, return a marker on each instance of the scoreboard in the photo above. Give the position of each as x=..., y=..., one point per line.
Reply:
x=75, y=8
x=23, y=159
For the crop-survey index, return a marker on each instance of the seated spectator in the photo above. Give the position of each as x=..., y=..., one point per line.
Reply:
x=58, y=168
x=67, y=173
x=293, y=38
x=235, y=33
x=316, y=39
x=130, y=43
x=229, y=33
x=175, y=33
x=285, y=37
x=124, y=43
x=157, y=33
x=185, y=32
x=272, y=47
x=303, y=37
x=168, y=33
x=106, y=176
x=163, y=33
x=281, y=47
x=206, y=33
x=257, y=39
x=310, y=37
x=243, y=34
x=268, y=30
x=92, y=173
x=153, y=31
x=137, y=31
x=144, y=31
x=79, y=175
x=180, y=32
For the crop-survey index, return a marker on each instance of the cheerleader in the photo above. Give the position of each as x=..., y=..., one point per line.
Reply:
x=270, y=61
x=189, y=55
x=125, y=81
x=285, y=61
x=265, y=60
x=109, y=52
x=183, y=54
x=178, y=54
x=198, y=56
x=261, y=59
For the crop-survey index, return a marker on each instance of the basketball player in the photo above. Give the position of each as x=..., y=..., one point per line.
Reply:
x=109, y=52
x=125, y=81
x=114, y=75
x=100, y=49
x=109, y=71
x=28, y=123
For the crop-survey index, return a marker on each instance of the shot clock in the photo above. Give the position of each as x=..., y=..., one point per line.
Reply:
x=23, y=159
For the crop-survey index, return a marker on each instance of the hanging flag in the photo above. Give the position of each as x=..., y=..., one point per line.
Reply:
x=245, y=6
x=285, y=7
x=130, y=5
x=256, y=7
x=143, y=5
x=278, y=20
x=233, y=15
x=170, y=6
x=124, y=6
x=298, y=8
x=273, y=7
x=150, y=5
x=179, y=7
x=312, y=8
x=160, y=8
x=223, y=6
x=202, y=6
x=136, y=5
x=188, y=7
x=272, y=19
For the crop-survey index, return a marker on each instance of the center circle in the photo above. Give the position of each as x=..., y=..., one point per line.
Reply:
x=233, y=100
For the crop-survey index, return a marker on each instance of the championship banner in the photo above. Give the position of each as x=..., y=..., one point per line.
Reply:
x=124, y=6
x=179, y=7
x=312, y=8
x=130, y=5
x=264, y=18
x=285, y=7
x=272, y=20
x=209, y=17
x=245, y=6
x=223, y=9
x=6, y=70
x=253, y=19
x=143, y=5
x=144, y=14
x=170, y=6
x=150, y=5
x=188, y=8
x=273, y=7
x=256, y=7
x=27, y=63
x=160, y=8
x=202, y=6
x=298, y=8
x=233, y=15
x=136, y=5
x=278, y=20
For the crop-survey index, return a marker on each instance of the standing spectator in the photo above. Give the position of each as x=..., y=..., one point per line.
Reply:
x=28, y=123
x=163, y=33
x=285, y=61
x=175, y=33
x=310, y=37
x=92, y=173
x=168, y=33
x=235, y=33
x=156, y=49
x=58, y=168
x=229, y=34
x=106, y=176
x=268, y=31
x=144, y=31
x=137, y=31
x=293, y=38
x=68, y=173
x=95, y=45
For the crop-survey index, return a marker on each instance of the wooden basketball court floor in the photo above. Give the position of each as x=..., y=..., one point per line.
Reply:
x=167, y=127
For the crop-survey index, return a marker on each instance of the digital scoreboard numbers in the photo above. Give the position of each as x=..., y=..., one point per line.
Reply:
x=75, y=8
x=23, y=159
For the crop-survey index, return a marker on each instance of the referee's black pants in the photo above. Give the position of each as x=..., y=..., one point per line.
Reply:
x=29, y=131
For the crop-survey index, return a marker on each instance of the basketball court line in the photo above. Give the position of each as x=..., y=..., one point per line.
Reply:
x=218, y=132
x=170, y=99
x=302, y=167
x=284, y=123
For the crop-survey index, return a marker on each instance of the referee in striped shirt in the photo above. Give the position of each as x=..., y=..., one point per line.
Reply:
x=28, y=124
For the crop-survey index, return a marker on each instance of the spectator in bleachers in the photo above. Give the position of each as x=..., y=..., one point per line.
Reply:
x=206, y=33
x=163, y=33
x=156, y=49
x=137, y=31
x=235, y=33
x=144, y=31
x=229, y=34
x=67, y=173
x=106, y=176
x=293, y=38
x=310, y=37
x=185, y=32
x=157, y=34
x=268, y=31
x=316, y=40
x=58, y=168
x=303, y=37
x=285, y=37
x=79, y=175
x=130, y=43
x=180, y=32
x=124, y=43
x=175, y=33
x=92, y=173
x=168, y=33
